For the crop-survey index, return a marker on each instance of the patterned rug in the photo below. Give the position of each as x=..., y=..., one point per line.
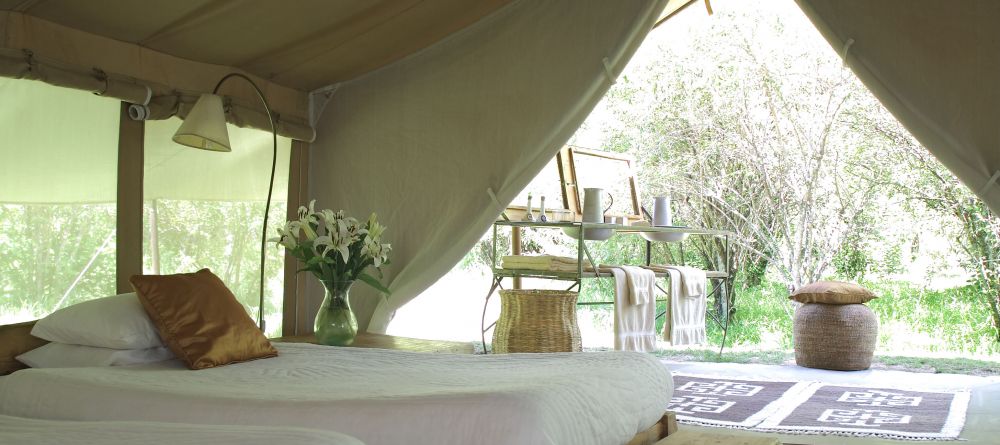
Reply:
x=819, y=408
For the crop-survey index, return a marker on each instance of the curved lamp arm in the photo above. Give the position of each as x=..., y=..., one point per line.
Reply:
x=270, y=187
x=205, y=129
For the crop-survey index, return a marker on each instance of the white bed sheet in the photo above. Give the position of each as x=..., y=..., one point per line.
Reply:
x=21, y=431
x=379, y=396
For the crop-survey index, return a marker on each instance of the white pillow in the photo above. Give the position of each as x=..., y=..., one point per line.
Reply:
x=118, y=322
x=59, y=355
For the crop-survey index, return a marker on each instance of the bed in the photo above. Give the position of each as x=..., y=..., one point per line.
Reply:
x=21, y=431
x=379, y=396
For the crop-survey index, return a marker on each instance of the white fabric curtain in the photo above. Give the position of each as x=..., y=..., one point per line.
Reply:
x=58, y=177
x=173, y=171
x=936, y=66
x=422, y=140
x=59, y=145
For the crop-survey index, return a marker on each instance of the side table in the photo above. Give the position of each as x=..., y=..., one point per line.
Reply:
x=381, y=341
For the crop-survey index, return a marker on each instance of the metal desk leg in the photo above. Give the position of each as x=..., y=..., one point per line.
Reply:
x=493, y=288
x=724, y=294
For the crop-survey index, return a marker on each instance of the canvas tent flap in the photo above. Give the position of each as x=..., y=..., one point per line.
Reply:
x=34, y=48
x=422, y=141
x=936, y=66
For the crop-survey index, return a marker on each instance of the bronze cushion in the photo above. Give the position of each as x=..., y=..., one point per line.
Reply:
x=200, y=319
x=832, y=292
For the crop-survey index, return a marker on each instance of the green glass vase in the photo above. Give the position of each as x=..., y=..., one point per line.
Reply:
x=335, y=321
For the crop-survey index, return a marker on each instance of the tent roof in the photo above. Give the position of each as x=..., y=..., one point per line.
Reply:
x=303, y=44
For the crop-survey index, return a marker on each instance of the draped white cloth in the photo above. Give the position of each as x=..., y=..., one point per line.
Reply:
x=421, y=141
x=936, y=66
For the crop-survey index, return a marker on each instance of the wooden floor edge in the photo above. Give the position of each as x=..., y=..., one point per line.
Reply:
x=666, y=426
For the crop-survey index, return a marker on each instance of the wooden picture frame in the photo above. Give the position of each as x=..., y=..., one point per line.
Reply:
x=548, y=183
x=574, y=179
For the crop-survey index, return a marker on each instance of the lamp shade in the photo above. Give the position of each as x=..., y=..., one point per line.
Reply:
x=205, y=126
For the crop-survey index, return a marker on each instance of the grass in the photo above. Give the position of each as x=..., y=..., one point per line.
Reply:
x=912, y=320
x=934, y=365
x=927, y=330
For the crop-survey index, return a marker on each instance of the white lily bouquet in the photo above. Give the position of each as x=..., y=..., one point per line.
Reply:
x=335, y=247
x=338, y=250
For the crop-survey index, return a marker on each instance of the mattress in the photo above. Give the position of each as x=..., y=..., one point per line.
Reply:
x=21, y=431
x=379, y=396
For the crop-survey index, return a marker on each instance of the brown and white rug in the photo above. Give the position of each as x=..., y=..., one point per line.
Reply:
x=819, y=408
x=727, y=402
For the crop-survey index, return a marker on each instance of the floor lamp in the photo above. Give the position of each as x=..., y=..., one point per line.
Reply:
x=205, y=128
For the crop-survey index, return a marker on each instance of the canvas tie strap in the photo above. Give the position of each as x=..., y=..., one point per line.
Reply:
x=500, y=207
x=993, y=180
x=843, y=52
x=608, y=71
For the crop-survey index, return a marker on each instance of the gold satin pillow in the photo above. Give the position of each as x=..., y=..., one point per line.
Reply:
x=200, y=320
x=832, y=292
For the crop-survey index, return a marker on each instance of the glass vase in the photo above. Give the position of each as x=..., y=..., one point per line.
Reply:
x=335, y=321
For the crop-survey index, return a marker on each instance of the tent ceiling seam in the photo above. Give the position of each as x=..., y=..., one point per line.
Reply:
x=199, y=15
x=26, y=5
x=328, y=33
x=327, y=49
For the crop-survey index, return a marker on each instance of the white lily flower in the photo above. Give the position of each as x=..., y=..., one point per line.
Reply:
x=285, y=238
x=304, y=211
x=293, y=228
x=310, y=233
x=331, y=235
x=323, y=242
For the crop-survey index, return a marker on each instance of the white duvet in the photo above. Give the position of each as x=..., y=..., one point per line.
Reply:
x=20, y=431
x=379, y=396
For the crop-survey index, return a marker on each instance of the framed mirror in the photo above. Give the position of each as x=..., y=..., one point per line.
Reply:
x=582, y=168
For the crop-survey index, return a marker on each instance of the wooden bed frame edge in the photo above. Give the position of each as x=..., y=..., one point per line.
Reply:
x=660, y=430
x=16, y=339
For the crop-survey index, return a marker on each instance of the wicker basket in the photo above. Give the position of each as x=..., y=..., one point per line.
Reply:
x=537, y=321
x=835, y=336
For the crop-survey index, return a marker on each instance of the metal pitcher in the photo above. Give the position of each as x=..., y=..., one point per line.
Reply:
x=593, y=205
x=661, y=211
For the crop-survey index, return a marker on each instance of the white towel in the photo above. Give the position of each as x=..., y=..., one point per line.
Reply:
x=686, y=325
x=541, y=262
x=641, y=284
x=692, y=281
x=635, y=324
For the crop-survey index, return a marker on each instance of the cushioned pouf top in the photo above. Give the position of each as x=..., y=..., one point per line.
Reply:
x=840, y=337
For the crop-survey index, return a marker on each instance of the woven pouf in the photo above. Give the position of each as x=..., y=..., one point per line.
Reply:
x=537, y=321
x=835, y=336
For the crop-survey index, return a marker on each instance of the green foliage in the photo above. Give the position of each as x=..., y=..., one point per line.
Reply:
x=53, y=256
x=44, y=249
x=221, y=235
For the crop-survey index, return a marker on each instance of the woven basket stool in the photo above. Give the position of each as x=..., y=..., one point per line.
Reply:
x=840, y=337
x=537, y=321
